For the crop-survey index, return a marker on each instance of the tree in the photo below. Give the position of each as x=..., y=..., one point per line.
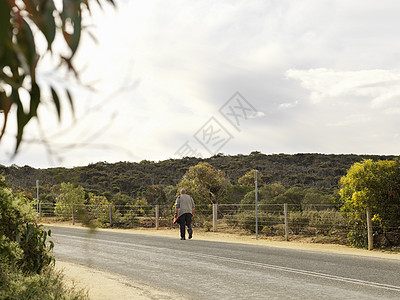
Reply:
x=293, y=196
x=248, y=179
x=68, y=196
x=154, y=194
x=373, y=185
x=205, y=183
x=22, y=24
x=98, y=208
x=268, y=197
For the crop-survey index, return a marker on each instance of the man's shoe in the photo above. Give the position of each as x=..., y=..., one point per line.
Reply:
x=182, y=238
x=190, y=236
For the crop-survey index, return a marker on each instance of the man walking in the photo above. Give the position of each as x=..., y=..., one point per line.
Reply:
x=184, y=210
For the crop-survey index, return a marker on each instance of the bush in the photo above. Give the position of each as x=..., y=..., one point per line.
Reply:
x=297, y=221
x=129, y=220
x=358, y=237
x=247, y=220
x=69, y=197
x=373, y=185
x=98, y=209
x=26, y=255
x=23, y=242
x=15, y=284
x=325, y=221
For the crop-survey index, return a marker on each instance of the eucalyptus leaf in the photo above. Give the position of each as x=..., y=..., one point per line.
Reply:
x=22, y=118
x=19, y=57
x=56, y=101
x=70, y=101
x=35, y=100
x=4, y=22
x=50, y=22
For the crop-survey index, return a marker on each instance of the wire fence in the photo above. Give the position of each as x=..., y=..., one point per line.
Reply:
x=268, y=219
x=271, y=218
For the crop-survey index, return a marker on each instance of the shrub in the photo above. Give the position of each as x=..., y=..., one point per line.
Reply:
x=358, y=237
x=325, y=221
x=26, y=271
x=98, y=209
x=247, y=220
x=373, y=185
x=129, y=220
x=15, y=284
x=23, y=241
x=69, y=197
x=297, y=221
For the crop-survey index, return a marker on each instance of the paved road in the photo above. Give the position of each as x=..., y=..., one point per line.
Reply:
x=212, y=270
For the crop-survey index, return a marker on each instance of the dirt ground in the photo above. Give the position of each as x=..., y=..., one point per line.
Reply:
x=104, y=285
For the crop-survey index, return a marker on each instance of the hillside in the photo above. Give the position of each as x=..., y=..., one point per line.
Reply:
x=321, y=171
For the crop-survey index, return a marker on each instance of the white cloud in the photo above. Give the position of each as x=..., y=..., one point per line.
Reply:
x=188, y=57
x=380, y=87
x=287, y=105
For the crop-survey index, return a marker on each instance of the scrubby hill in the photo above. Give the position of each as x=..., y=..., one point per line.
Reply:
x=321, y=171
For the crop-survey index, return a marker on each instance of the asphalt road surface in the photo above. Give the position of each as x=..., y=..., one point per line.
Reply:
x=216, y=270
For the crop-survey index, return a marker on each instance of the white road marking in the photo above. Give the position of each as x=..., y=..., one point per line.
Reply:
x=250, y=263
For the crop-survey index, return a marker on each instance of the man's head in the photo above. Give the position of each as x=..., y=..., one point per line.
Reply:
x=183, y=191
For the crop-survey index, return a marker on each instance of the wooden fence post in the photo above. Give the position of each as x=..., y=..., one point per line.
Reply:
x=369, y=229
x=285, y=208
x=73, y=215
x=157, y=216
x=111, y=215
x=215, y=215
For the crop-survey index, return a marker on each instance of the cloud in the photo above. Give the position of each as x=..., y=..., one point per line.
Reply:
x=380, y=87
x=351, y=120
x=287, y=105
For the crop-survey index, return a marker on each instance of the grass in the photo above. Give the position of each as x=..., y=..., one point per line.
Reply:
x=49, y=284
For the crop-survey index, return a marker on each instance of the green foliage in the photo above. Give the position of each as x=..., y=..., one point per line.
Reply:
x=129, y=220
x=235, y=193
x=358, y=236
x=274, y=195
x=22, y=24
x=204, y=183
x=203, y=215
x=155, y=194
x=373, y=185
x=98, y=210
x=35, y=246
x=69, y=196
x=297, y=221
x=293, y=196
x=244, y=220
x=248, y=179
x=121, y=199
x=247, y=220
x=325, y=221
x=316, y=199
x=131, y=179
x=23, y=241
x=270, y=191
x=16, y=284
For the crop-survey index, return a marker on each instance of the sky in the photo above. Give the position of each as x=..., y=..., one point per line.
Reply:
x=168, y=79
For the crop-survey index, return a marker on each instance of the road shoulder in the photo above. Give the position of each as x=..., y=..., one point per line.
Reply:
x=102, y=285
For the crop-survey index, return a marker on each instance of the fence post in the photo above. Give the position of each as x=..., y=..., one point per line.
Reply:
x=215, y=215
x=73, y=215
x=157, y=216
x=285, y=208
x=110, y=215
x=40, y=210
x=256, y=195
x=369, y=228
